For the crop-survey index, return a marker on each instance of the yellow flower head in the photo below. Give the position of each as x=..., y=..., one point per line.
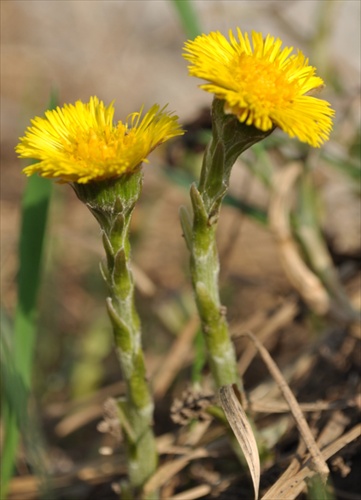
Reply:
x=80, y=143
x=262, y=84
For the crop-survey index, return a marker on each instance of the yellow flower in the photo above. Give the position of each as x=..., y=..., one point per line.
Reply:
x=80, y=143
x=263, y=85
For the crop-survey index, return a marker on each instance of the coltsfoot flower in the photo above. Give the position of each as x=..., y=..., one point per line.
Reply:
x=80, y=143
x=262, y=84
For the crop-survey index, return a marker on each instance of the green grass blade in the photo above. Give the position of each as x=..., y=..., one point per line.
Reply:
x=9, y=411
x=34, y=215
x=17, y=370
x=188, y=17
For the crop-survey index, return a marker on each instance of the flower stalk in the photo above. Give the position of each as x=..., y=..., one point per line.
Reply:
x=257, y=86
x=229, y=139
x=112, y=203
x=80, y=144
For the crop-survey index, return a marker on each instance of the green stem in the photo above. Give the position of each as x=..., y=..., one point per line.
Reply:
x=112, y=203
x=229, y=139
x=205, y=271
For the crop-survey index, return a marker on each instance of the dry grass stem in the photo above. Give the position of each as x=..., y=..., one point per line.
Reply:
x=77, y=420
x=278, y=320
x=318, y=460
x=193, y=493
x=166, y=471
x=275, y=406
x=302, y=278
x=175, y=359
x=288, y=488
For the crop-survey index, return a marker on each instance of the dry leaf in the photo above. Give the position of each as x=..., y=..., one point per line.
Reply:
x=242, y=429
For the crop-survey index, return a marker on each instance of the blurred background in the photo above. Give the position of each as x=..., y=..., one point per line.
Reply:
x=130, y=52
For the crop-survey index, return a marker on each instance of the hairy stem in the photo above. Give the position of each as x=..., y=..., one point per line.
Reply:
x=112, y=205
x=229, y=139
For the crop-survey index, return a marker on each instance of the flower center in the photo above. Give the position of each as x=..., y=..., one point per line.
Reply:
x=99, y=145
x=263, y=84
